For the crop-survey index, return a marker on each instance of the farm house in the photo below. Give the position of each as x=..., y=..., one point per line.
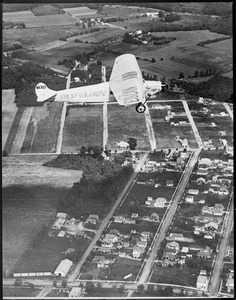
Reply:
x=63, y=268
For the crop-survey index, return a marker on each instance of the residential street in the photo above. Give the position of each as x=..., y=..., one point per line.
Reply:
x=75, y=273
x=169, y=216
x=215, y=278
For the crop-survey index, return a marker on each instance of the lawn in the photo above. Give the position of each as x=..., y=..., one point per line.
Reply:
x=104, y=293
x=121, y=268
x=162, y=177
x=83, y=127
x=175, y=275
x=124, y=123
x=139, y=227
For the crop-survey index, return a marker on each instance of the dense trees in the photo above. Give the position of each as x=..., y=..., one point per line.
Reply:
x=219, y=88
x=172, y=17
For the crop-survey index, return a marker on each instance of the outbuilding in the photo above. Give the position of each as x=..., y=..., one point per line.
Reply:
x=63, y=268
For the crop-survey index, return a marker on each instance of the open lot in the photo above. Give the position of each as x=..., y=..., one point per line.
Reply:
x=83, y=127
x=124, y=123
x=9, y=110
x=20, y=291
x=43, y=129
x=30, y=196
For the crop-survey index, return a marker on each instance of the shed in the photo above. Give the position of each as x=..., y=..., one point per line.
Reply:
x=63, y=268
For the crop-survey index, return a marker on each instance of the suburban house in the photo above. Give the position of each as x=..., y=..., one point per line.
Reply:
x=134, y=215
x=204, y=162
x=146, y=234
x=61, y=215
x=76, y=292
x=189, y=199
x=63, y=268
x=185, y=249
x=169, y=183
x=193, y=192
x=202, y=282
x=209, y=235
x=211, y=226
x=196, y=247
x=103, y=249
x=173, y=245
x=142, y=245
x=179, y=237
x=110, y=238
x=159, y=202
x=119, y=219
x=137, y=251
x=154, y=217
x=201, y=180
x=230, y=285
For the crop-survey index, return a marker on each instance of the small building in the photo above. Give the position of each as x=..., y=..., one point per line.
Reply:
x=63, y=268
x=211, y=226
x=189, y=199
x=154, y=217
x=160, y=202
x=202, y=282
x=61, y=215
x=61, y=233
x=173, y=245
x=75, y=292
x=137, y=251
x=185, y=249
x=110, y=238
x=230, y=285
x=209, y=235
x=142, y=244
x=134, y=215
x=193, y=192
x=58, y=223
x=119, y=219
x=169, y=183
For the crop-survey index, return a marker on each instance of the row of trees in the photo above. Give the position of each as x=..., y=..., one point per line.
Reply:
x=207, y=72
x=203, y=43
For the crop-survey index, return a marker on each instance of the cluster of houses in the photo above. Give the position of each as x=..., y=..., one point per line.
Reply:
x=159, y=202
x=175, y=161
x=230, y=282
x=130, y=245
x=174, y=254
x=64, y=226
x=203, y=281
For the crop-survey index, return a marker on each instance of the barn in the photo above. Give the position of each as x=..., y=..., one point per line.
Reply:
x=63, y=268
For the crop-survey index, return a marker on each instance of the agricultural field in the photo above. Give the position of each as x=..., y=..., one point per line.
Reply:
x=97, y=36
x=124, y=123
x=9, y=110
x=187, y=56
x=43, y=129
x=30, y=197
x=80, y=11
x=32, y=21
x=83, y=127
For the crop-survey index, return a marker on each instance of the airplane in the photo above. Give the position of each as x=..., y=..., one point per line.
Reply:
x=126, y=86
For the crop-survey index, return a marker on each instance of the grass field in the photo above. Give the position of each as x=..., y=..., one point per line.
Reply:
x=43, y=129
x=51, y=249
x=185, y=276
x=30, y=196
x=83, y=126
x=124, y=123
x=9, y=110
x=20, y=292
x=80, y=11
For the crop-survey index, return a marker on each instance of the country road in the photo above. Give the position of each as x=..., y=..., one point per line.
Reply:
x=76, y=271
x=169, y=216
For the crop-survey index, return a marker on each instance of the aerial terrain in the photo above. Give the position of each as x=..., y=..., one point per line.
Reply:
x=100, y=200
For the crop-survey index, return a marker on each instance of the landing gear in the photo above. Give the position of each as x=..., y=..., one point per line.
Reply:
x=140, y=108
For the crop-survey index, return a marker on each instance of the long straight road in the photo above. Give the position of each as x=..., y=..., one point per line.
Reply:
x=169, y=216
x=215, y=278
x=105, y=222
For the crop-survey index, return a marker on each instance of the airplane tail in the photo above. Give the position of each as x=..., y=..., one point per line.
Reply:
x=43, y=93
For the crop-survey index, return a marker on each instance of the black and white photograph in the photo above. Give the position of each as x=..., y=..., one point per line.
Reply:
x=117, y=150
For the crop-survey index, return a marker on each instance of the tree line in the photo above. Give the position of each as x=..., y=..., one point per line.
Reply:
x=218, y=88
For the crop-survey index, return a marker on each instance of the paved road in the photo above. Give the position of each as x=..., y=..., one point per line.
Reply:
x=215, y=278
x=105, y=222
x=169, y=216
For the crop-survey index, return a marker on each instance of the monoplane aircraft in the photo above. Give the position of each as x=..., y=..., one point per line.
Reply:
x=126, y=86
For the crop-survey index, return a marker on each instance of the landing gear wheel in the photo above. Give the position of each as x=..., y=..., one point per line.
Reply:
x=140, y=108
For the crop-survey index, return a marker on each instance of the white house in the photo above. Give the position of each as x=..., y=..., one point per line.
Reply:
x=202, y=282
x=173, y=245
x=189, y=199
x=61, y=215
x=193, y=192
x=110, y=238
x=160, y=202
x=58, y=223
x=63, y=268
x=75, y=292
x=137, y=251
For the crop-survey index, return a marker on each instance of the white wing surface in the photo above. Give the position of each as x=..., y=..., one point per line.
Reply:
x=126, y=81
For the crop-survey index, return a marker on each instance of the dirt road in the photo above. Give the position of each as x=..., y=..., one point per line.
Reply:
x=150, y=130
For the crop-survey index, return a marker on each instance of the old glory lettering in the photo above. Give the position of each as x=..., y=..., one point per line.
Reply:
x=78, y=95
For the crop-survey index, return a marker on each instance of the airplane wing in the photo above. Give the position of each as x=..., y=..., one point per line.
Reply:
x=126, y=81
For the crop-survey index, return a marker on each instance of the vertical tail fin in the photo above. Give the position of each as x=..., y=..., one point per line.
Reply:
x=43, y=93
